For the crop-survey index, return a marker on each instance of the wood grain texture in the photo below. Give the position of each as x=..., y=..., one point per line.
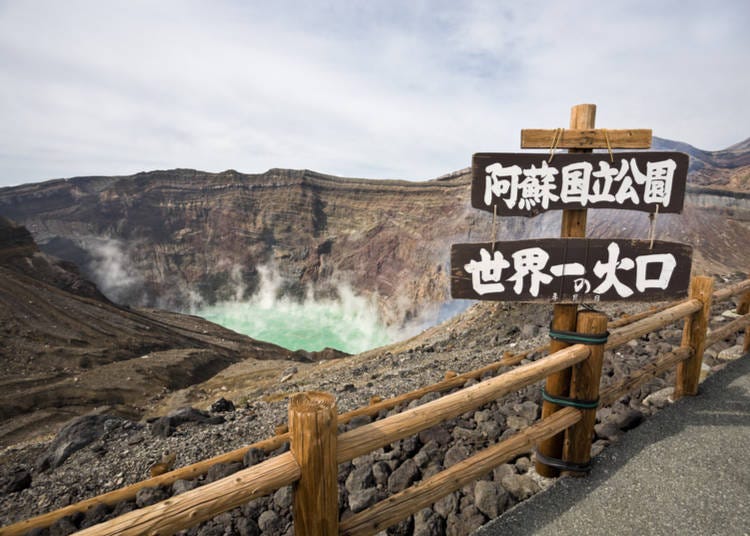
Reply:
x=198, y=505
x=313, y=427
x=111, y=498
x=639, y=377
x=694, y=336
x=584, y=385
x=573, y=225
x=659, y=320
x=727, y=292
x=727, y=330
x=588, y=138
x=371, y=436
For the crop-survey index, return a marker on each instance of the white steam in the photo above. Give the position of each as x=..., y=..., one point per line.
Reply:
x=112, y=270
x=348, y=321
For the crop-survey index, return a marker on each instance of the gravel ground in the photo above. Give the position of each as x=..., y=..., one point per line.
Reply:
x=125, y=450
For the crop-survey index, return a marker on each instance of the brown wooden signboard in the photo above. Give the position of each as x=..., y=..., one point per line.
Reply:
x=571, y=270
x=514, y=184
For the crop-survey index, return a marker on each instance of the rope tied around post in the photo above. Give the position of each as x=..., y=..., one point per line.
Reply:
x=574, y=337
x=561, y=400
x=562, y=465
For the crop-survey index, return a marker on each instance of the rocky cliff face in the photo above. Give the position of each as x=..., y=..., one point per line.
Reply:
x=724, y=170
x=62, y=343
x=182, y=237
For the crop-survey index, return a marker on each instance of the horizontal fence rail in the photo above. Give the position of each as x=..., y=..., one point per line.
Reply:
x=205, y=502
x=414, y=498
x=371, y=436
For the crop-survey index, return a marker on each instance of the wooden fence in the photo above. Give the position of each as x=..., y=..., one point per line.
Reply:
x=311, y=465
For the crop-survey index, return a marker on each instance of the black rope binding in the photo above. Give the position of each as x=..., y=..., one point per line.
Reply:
x=574, y=337
x=561, y=400
x=563, y=465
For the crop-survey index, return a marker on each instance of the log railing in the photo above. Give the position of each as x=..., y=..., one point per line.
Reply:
x=317, y=449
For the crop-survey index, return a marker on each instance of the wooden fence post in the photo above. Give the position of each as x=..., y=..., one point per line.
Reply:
x=694, y=336
x=743, y=307
x=313, y=430
x=582, y=116
x=584, y=387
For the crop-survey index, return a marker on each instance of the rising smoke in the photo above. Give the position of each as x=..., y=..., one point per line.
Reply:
x=347, y=322
x=330, y=315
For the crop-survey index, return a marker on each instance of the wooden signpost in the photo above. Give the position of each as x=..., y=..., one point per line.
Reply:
x=570, y=270
x=511, y=184
x=574, y=269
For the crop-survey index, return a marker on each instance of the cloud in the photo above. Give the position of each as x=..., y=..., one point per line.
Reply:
x=377, y=89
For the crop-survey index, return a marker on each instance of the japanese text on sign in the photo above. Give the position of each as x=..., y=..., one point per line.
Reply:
x=570, y=270
x=529, y=184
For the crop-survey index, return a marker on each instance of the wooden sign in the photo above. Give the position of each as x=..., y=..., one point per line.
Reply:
x=586, y=138
x=571, y=270
x=527, y=184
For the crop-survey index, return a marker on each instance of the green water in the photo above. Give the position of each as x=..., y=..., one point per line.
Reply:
x=350, y=324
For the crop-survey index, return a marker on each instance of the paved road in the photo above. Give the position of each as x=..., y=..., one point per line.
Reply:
x=685, y=471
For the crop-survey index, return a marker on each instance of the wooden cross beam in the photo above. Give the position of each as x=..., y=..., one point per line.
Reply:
x=538, y=138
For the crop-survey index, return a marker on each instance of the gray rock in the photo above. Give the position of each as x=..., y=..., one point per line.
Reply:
x=405, y=527
x=454, y=455
x=95, y=516
x=464, y=523
x=523, y=464
x=165, y=426
x=253, y=457
x=731, y=354
x=17, y=480
x=447, y=505
x=222, y=470
x=269, y=521
x=429, y=452
x=607, y=430
x=149, y=496
x=529, y=330
x=406, y=447
x=380, y=472
x=521, y=487
x=211, y=528
x=359, y=500
x=628, y=419
x=63, y=527
x=359, y=420
x=181, y=486
x=490, y=498
x=247, y=527
x=123, y=508
x=360, y=478
x=490, y=430
x=501, y=471
x=438, y=433
x=432, y=469
x=467, y=435
x=403, y=477
x=660, y=399
x=428, y=523
x=222, y=406
x=283, y=498
x=516, y=422
x=75, y=435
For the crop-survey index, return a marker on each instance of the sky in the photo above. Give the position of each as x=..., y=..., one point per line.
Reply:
x=392, y=89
